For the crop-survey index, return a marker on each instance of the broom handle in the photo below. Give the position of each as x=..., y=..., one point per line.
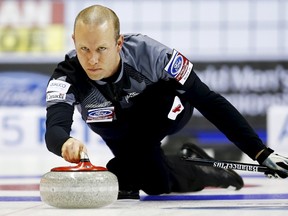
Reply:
x=229, y=165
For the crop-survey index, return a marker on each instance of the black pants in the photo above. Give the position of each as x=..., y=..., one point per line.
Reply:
x=150, y=170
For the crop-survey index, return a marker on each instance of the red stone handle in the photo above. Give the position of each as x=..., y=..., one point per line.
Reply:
x=83, y=165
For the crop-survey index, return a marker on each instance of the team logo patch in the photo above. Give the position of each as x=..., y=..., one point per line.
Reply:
x=179, y=67
x=105, y=114
x=176, y=109
x=58, y=86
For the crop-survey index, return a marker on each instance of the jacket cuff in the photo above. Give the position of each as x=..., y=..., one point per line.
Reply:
x=265, y=154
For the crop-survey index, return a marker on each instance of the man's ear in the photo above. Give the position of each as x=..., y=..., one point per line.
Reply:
x=73, y=37
x=120, y=42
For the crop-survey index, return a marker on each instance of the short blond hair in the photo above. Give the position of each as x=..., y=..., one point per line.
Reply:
x=98, y=14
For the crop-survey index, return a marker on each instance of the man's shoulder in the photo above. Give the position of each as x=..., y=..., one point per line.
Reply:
x=138, y=38
x=70, y=59
x=71, y=54
x=141, y=44
x=69, y=65
x=128, y=36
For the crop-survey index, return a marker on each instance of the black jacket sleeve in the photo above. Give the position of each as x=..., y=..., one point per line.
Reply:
x=223, y=115
x=59, y=118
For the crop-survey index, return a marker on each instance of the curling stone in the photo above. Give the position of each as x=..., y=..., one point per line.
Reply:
x=81, y=186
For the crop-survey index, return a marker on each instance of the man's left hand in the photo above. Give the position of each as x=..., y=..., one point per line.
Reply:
x=277, y=163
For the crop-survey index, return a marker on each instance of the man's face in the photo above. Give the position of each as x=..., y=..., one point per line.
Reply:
x=97, y=50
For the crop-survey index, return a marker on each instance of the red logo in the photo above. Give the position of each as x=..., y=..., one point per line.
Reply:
x=177, y=109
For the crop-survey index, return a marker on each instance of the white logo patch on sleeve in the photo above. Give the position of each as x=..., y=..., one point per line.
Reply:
x=176, y=109
x=58, y=86
x=179, y=67
x=55, y=96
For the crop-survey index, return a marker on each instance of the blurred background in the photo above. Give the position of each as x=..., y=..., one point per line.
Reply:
x=238, y=47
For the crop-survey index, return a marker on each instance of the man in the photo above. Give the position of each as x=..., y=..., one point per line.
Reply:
x=133, y=91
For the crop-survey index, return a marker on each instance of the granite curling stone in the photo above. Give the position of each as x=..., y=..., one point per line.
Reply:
x=81, y=186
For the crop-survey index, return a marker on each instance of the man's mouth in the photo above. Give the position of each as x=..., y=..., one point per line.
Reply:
x=94, y=69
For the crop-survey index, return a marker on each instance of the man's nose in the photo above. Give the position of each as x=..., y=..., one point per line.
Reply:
x=93, y=59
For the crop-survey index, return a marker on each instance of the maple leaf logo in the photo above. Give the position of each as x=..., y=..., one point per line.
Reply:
x=177, y=108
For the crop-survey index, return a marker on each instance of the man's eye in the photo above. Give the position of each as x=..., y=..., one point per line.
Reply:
x=84, y=49
x=102, y=48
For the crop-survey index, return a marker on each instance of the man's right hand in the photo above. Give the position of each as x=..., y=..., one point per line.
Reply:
x=71, y=150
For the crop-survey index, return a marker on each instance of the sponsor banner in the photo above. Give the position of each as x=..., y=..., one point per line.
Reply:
x=32, y=26
x=277, y=128
x=250, y=86
x=36, y=39
x=23, y=130
x=22, y=88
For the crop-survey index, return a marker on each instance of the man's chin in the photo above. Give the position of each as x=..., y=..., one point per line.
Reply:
x=93, y=77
